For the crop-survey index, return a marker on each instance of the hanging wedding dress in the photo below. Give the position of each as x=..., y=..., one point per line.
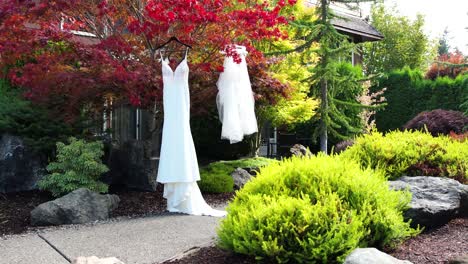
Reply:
x=178, y=166
x=235, y=101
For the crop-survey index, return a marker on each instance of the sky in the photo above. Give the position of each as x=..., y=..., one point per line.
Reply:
x=438, y=15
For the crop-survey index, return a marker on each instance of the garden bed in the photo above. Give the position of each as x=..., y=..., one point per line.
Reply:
x=432, y=247
x=15, y=208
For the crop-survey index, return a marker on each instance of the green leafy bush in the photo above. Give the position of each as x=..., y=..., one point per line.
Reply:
x=411, y=153
x=32, y=123
x=409, y=94
x=78, y=165
x=216, y=177
x=314, y=210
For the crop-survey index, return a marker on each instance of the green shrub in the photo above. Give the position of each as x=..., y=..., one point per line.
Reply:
x=216, y=177
x=314, y=210
x=78, y=165
x=409, y=94
x=411, y=153
x=32, y=123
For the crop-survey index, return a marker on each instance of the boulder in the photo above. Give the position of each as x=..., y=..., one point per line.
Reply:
x=459, y=260
x=435, y=200
x=372, y=256
x=131, y=165
x=342, y=146
x=241, y=177
x=78, y=207
x=252, y=170
x=20, y=168
x=96, y=260
x=300, y=151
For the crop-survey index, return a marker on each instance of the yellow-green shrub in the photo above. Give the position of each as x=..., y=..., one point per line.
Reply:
x=216, y=177
x=314, y=210
x=411, y=153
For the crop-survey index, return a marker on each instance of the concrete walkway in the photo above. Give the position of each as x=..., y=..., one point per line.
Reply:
x=134, y=241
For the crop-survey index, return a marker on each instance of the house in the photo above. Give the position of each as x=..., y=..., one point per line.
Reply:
x=358, y=30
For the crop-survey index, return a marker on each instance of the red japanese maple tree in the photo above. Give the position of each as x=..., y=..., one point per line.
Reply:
x=451, y=65
x=41, y=53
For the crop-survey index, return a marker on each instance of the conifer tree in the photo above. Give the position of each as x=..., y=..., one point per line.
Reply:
x=444, y=47
x=320, y=37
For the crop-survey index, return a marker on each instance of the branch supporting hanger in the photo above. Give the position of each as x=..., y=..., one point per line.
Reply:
x=173, y=38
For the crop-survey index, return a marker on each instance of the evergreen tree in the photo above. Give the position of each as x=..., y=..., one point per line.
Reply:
x=443, y=43
x=319, y=37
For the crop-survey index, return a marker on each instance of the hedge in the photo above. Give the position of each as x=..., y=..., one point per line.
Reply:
x=409, y=94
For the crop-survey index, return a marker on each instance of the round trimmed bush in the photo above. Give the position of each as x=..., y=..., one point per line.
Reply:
x=314, y=210
x=410, y=153
x=439, y=122
x=216, y=177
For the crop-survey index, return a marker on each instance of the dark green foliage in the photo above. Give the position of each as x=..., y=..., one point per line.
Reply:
x=439, y=122
x=314, y=210
x=78, y=165
x=464, y=105
x=20, y=118
x=216, y=177
x=345, y=121
x=411, y=153
x=206, y=132
x=444, y=47
x=409, y=94
x=344, y=107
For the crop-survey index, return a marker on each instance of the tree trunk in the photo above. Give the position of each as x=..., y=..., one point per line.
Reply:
x=323, y=124
x=323, y=84
x=255, y=142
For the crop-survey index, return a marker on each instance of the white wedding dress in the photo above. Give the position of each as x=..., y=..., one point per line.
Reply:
x=235, y=101
x=178, y=166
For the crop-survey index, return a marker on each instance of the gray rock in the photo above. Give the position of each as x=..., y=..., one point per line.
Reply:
x=342, y=146
x=300, y=151
x=131, y=165
x=20, y=168
x=78, y=207
x=459, y=260
x=372, y=256
x=252, y=170
x=241, y=177
x=435, y=200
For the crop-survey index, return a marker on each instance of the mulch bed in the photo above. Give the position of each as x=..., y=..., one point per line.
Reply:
x=213, y=255
x=15, y=208
x=435, y=246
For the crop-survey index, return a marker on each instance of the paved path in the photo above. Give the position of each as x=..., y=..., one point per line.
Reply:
x=134, y=241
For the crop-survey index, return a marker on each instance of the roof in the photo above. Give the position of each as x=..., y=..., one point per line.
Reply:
x=357, y=27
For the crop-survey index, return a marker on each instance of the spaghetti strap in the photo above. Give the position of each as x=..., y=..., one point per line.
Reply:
x=160, y=53
x=186, y=51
